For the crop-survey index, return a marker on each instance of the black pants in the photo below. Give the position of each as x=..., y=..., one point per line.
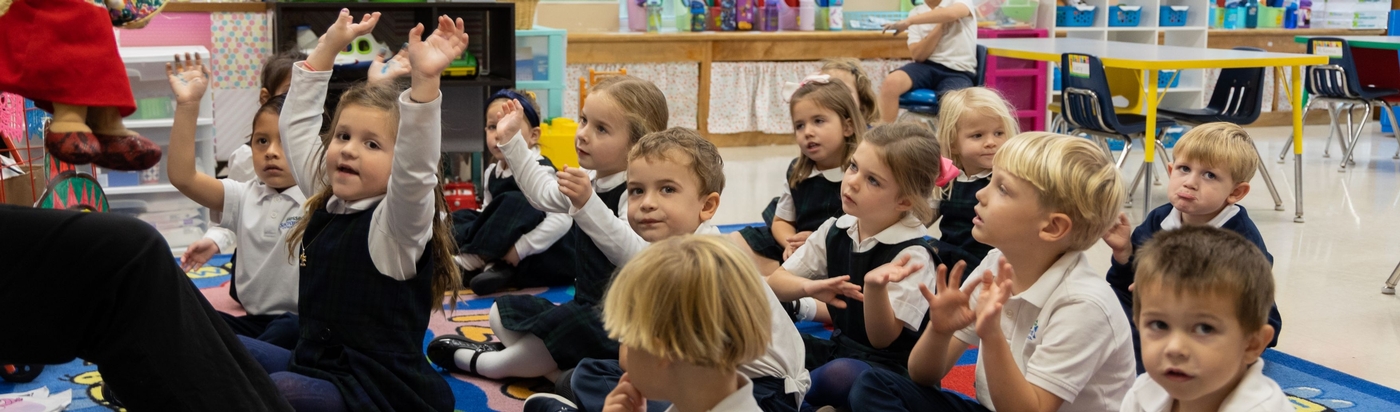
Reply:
x=879, y=390
x=280, y=330
x=105, y=288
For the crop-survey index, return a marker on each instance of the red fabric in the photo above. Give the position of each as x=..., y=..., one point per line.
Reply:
x=62, y=51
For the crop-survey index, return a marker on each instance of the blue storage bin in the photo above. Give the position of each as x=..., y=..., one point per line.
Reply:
x=1074, y=16
x=1056, y=70
x=1165, y=79
x=1172, y=16
x=1171, y=135
x=1124, y=16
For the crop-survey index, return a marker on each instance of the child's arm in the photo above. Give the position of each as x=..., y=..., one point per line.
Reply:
x=403, y=222
x=544, y=235
x=784, y=213
x=1010, y=387
x=938, y=15
x=188, y=79
x=950, y=312
x=540, y=187
x=1120, y=269
x=922, y=49
x=613, y=236
x=901, y=277
x=782, y=231
x=805, y=274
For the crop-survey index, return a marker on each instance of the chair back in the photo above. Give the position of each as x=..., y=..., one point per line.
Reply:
x=981, y=78
x=1239, y=93
x=1335, y=79
x=1086, y=102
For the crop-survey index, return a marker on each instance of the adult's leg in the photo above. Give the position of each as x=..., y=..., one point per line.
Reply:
x=832, y=382
x=127, y=307
x=594, y=379
x=896, y=83
x=883, y=391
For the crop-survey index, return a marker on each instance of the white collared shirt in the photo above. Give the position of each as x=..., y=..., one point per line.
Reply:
x=1254, y=393
x=740, y=401
x=541, y=186
x=1068, y=334
x=240, y=164
x=787, y=208
x=962, y=178
x=402, y=225
x=260, y=218
x=1173, y=219
x=958, y=48
x=550, y=230
x=809, y=261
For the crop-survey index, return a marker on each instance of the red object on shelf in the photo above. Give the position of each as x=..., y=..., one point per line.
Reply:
x=1022, y=82
x=460, y=195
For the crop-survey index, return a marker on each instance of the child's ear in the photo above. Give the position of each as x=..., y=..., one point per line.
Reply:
x=263, y=96
x=535, y=135
x=1241, y=189
x=711, y=206
x=1057, y=227
x=1257, y=343
x=848, y=127
x=904, y=204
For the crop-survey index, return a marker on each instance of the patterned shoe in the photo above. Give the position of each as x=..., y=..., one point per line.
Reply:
x=548, y=402
x=78, y=148
x=442, y=351
x=130, y=153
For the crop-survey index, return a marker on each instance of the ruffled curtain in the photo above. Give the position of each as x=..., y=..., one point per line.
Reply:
x=747, y=96
x=680, y=82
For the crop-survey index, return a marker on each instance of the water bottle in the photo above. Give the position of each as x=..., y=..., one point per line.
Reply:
x=838, y=21
x=1251, y=17
x=1305, y=14
x=1290, y=18
x=807, y=15
x=770, y=15
x=746, y=15
x=697, y=15
x=729, y=13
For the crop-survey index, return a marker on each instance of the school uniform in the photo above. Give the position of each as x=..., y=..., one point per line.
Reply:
x=265, y=279
x=507, y=221
x=366, y=284
x=1233, y=218
x=953, y=63
x=739, y=401
x=806, y=206
x=1254, y=393
x=1065, y=335
x=957, y=211
x=836, y=249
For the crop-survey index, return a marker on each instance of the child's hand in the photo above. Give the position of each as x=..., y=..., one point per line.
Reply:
x=345, y=30
x=512, y=121
x=574, y=183
x=385, y=71
x=892, y=272
x=512, y=257
x=188, y=79
x=787, y=253
x=429, y=57
x=625, y=398
x=827, y=290
x=995, y=291
x=948, y=310
x=794, y=242
x=198, y=254
x=899, y=26
x=1120, y=239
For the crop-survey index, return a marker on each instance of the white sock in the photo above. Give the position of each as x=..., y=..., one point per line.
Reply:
x=527, y=358
x=507, y=336
x=806, y=309
x=469, y=261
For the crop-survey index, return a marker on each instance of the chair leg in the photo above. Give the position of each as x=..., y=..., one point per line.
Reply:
x=1166, y=159
x=1355, y=139
x=1389, y=288
x=1132, y=187
x=1123, y=158
x=1268, y=180
x=1390, y=111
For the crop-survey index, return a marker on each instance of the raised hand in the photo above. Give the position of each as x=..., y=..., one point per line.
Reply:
x=197, y=254
x=829, y=291
x=892, y=272
x=948, y=310
x=385, y=71
x=574, y=183
x=1120, y=239
x=345, y=30
x=512, y=121
x=995, y=291
x=188, y=78
x=625, y=398
x=429, y=57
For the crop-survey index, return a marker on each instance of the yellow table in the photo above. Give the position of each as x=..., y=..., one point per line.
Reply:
x=1150, y=58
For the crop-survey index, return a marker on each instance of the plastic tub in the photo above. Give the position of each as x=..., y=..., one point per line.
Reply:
x=1124, y=16
x=1172, y=16
x=1074, y=16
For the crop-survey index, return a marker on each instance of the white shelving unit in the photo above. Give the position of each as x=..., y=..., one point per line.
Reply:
x=148, y=195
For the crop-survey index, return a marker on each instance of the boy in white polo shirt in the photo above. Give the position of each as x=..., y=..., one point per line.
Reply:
x=1202, y=299
x=943, y=45
x=1051, y=334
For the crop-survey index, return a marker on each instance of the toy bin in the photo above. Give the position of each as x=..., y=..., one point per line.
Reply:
x=1074, y=16
x=1172, y=16
x=1168, y=79
x=1270, y=17
x=1124, y=16
x=1007, y=13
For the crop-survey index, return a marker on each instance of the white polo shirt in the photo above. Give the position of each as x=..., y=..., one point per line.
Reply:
x=740, y=401
x=958, y=48
x=1068, y=334
x=787, y=208
x=1255, y=393
x=261, y=218
x=809, y=261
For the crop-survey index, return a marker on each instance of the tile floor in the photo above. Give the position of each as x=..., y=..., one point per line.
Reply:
x=1329, y=270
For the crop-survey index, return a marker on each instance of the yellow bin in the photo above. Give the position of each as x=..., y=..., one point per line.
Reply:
x=557, y=142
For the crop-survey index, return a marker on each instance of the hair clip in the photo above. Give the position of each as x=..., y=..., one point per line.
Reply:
x=790, y=88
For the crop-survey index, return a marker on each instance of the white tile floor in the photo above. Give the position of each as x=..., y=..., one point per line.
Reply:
x=1329, y=270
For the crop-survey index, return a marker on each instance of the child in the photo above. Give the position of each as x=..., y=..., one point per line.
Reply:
x=259, y=211
x=828, y=126
x=943, y=44
x=879, y=246
x=376, y=259
x=974, y=124
x=1204, y=299
x=508, y=236
x=1062, y=345
x=1213, y=165
x=539, y=338
x=848, y=71
x=688, y=312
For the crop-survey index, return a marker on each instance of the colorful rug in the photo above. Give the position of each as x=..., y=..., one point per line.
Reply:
x=1312, y=387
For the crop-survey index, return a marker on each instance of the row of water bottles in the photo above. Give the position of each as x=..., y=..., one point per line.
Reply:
x=748, y=15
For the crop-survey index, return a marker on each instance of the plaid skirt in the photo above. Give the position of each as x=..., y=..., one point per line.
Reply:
x=760, y=239
x=491, y=233
x=571, y=331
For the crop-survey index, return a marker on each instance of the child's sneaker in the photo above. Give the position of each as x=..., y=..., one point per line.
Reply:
x=548, y=402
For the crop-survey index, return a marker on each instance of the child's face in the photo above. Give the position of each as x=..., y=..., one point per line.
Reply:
x=1201, y=191
x=1193, y=345
x=1009, y=212
x=868, y=190
x=821, y=134
x=493, y=138
x=664, y=198
x=361, y=153
x=850, y=81
x=266, y=94
x=603, y=136
x=979, y=136
x=268, y=161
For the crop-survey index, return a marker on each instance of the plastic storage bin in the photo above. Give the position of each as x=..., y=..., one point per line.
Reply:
x=1007, y=13
x=1172, y=16
x=1168, y=79
x=1270, y=17
x=1124, y=16
x=872, y=20
x=1074, y=16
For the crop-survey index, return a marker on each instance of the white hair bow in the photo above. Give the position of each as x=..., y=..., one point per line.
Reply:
x=790, y=88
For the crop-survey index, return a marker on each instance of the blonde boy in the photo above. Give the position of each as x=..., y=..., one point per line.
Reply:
x=1049, y=333
x=1203, y=297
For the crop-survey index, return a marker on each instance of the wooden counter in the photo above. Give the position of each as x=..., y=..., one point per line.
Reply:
x=184, y=6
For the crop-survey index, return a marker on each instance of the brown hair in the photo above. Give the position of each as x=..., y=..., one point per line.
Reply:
x=1202, y=260
x=667, y=144
x=447, y=278
x=1221, y=145
x=832, y=96
x=864, y=90
x=906, y=148
x=978, y=99
x=277, y=69
x=642, y=103
x=1071, y=175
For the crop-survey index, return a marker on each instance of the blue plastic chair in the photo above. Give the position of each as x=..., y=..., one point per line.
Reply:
x=924, y=102
x=1336, y=83
x=1087, y=105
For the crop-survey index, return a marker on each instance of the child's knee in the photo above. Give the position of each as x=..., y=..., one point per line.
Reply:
x=897, y=81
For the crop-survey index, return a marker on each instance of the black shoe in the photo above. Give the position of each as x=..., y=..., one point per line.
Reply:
x=109, y=397
x=791, y=308
x=563, y=386
x=492, y=279
x=442, y=352
x=548, y=402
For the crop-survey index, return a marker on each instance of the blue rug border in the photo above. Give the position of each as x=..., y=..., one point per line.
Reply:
x=1344, y=379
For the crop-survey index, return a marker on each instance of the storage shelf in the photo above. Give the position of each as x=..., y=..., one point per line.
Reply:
x=1183, y=28
x=132, y=55
x=154, y=123
x=139, y=189
x=537, y=84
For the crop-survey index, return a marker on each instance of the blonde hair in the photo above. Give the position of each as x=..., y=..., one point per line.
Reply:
x=703, y=157
x=695, y=299
x=864, y=90
x=1221, y=145
x=832, y=96
x=446, y=277
x=979, y=99
x=642, y=104
x=1203, y=261
x=1072, y=176
x=906, y=148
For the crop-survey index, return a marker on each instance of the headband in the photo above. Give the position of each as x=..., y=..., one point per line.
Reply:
x=525, y=105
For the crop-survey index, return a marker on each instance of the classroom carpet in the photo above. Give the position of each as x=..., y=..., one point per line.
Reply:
x=1311, y=387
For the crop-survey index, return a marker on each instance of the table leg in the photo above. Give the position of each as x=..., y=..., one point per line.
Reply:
x=1149, y=137
x=1297, y=99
